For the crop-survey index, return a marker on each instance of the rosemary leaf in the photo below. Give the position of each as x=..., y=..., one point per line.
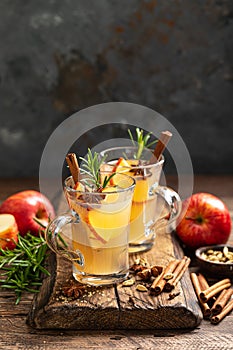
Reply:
x=141, y=140
x=20, y=268
x=91, y=167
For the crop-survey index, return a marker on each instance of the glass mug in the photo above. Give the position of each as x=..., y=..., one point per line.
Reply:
x=146, y=210
x=96, y=239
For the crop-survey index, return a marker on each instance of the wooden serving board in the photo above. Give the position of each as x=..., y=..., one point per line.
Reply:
x=116, y=307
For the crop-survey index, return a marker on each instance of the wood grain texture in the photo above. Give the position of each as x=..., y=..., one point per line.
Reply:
x=117, y=307
x=15, y=334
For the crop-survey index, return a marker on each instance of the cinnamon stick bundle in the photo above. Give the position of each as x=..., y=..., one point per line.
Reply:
x=177, y=274
x=221, y=301
x=215, y=289
x=198, y=287
x=159, y=283
x=226, y=310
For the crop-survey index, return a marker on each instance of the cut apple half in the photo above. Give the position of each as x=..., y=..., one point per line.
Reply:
x=8, y=231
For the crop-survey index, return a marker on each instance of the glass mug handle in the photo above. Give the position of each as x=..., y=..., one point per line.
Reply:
x=173, y=201
x=57, y=243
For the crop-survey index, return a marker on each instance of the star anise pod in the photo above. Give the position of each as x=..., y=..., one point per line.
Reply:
x=73, y=290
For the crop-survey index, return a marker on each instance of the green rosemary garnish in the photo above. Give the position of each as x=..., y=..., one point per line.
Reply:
x=21, y=268
x=91, y=167
x=141, y=142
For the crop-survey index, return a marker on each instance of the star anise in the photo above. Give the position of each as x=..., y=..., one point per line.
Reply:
x=74, y=290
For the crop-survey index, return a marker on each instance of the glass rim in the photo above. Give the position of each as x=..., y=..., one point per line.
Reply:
x=119, y=190
x=143, y=166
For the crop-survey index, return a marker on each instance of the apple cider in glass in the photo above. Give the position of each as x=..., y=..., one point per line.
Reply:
x=98, y=242
x=145, y=211
x=101, y=234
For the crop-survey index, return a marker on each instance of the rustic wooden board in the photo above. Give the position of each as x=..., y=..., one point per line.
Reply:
x=15, y=334
x=116, y=307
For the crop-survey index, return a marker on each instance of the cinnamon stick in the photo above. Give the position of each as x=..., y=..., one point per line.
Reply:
x=162, y=143
x=72, y=162
x=226, y=310
x=198, y=288
x=178, y=273
x=221, y=301
x=215, y=289
x=159, y=283
x=202, y=281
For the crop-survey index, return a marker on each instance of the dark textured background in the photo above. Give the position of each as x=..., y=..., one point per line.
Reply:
x=57, y=57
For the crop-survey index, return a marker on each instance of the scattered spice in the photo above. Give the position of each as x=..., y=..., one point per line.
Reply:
x=156, y=270
x=144, y=274
x=73, y=290
x=139, y=265
x=168, y=276
x=141, y=288
x=173, y=295
x=128, y=283
x=156, y=277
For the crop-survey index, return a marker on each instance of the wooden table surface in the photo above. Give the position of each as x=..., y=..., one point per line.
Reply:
x=15, y=334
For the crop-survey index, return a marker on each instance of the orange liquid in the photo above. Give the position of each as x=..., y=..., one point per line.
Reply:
x=102, y=234
x=143, y=209
x=103, y=261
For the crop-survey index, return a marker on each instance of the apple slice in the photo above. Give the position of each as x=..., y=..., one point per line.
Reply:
x=121, y=166
x=8, y=231
x=111, y=195
x=109, y=224
x=105, y=220
x=108, y=169
x=78, y=186
x=83, y=213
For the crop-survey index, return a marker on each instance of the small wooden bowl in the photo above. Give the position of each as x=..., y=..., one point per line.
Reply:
x=213, y=268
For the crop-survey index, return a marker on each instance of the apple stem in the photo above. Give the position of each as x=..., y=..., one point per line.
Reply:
x=198, y=219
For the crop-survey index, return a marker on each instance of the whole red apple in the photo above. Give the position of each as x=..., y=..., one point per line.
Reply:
x=205, y=220
x=8, y=231
x=27, y=205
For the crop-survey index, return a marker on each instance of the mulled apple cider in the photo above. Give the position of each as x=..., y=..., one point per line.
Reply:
x=145, y=211
x=97, y=242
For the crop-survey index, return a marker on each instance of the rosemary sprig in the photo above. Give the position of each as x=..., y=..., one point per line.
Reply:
x=21, y=268
x=141, y=141
x=91, y=167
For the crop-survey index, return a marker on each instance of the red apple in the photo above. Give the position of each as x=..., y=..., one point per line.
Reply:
x=205, y=220
x=8, y=231
x=27, y=205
